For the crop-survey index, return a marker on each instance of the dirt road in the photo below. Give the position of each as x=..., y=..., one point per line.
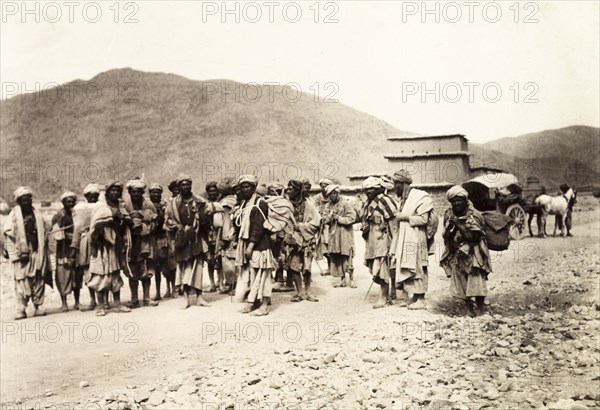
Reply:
x=539, y=346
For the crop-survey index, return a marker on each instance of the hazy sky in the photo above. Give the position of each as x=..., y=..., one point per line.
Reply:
x=391, y=59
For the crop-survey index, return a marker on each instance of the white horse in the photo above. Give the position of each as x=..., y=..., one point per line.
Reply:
x=554, y=205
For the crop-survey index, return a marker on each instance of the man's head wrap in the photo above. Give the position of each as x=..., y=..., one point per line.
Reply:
x=114, y=184
x=211, y=184
x=372, y=182
x=455, y=191
x=331, y=188
x=183, y=177
x=250, y=179
x=155, y=187
x=306, y=185
x=173, y=184
x=22, y=191
x=386, y=182
x=68, y=194
x=325, y=181
x=402, y=176
x=136, y=184
x=295, y=184
x=91, y=189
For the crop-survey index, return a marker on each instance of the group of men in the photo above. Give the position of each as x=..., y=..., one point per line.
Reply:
x=257, y=238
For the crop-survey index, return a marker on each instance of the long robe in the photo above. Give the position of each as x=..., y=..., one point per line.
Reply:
x=29, y=276
x=141, y=252
x=108, y=234
x=466, y=263
x=300, y=245
x=409, y=244
x=378, y=225
x=190, y=239
x=340, y=247
x=60, y=245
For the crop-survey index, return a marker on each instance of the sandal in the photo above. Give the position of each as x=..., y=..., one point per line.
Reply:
x=296, y=298
x=100, y=312
x=340, y=285
x=311, y=298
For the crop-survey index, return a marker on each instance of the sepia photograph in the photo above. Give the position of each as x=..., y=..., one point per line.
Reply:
x=300, y=205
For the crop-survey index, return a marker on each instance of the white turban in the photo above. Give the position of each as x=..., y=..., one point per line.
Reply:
x=325, y=181
x=455, y=191
x=331, y=188
x=251, y=179
x=91, y=189
x=386, y=182
x=135, y=184
x=372, y=182
x=21, y=191
x=68, y=194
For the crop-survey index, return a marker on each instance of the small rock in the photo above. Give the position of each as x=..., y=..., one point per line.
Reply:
x=156, y=398
x=187, y=389
x=83, y=384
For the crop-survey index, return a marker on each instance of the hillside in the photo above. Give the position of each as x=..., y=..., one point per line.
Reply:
x=124, y=123
x=555, y=156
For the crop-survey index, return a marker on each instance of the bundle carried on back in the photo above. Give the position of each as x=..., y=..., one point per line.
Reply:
x=497, y=230
x=280, y=216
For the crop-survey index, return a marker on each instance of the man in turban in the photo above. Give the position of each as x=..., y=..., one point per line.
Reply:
x=109, y=223
x=339, y=216
x=570, y=194
x=321, y=201
x=466, y=258
x=80, y=244
x=141, y=248
x=25, y=243
x=227, y=242
x=213, y=259
x=254, y=257
x=409, y=248
x=300, y=246
x=188, y=222
x=378, y=228
x=60, y=245
x=276, y=190
x=161, y=257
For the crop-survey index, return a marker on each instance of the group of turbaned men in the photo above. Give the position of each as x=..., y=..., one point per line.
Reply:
x=246, y=232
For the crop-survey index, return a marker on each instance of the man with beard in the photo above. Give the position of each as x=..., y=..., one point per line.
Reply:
x=187, y=219
x=276, y=189
x=25, y=248
x=339, y=216
x=299, y=246
x=227, y=241
x=80, y=245
x=60, y=243
x=141, y=247
x=161, y=258
x=108, y=228
x=213, y=259
x=254, y=256
x=378, y=230
x=409, y=246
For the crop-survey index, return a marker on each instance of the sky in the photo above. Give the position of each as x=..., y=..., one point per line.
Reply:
x=484, y=69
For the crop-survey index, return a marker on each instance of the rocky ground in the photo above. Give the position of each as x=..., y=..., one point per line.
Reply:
x=537, y=348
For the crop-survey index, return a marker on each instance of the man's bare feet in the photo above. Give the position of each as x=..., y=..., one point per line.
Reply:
x=202, y=302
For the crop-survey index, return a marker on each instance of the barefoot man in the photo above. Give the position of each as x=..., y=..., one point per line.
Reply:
x=61, y=237
x=188, y=221
x=339, y=217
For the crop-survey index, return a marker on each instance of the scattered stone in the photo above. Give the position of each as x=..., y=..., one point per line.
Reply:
x=83, y=384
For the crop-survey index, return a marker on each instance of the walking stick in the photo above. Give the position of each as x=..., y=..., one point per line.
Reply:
x=369, y=290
